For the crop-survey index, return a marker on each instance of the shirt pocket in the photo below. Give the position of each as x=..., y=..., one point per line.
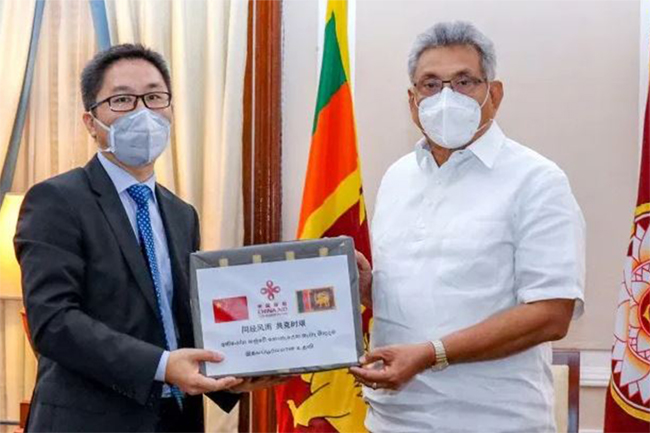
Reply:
x=476, y=254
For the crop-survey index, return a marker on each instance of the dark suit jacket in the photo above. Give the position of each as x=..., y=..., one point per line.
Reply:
x=92, y=308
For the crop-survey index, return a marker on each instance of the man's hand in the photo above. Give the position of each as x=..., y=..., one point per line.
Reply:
x=183, y=371
x=252, y=383
x=365, y=279
x=396, y=365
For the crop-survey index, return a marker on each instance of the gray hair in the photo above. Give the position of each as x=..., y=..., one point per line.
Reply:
x=450, y=34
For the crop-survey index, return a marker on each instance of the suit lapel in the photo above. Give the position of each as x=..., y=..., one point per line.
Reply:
x=172, y=230
x=115, y=214
x=176, y=231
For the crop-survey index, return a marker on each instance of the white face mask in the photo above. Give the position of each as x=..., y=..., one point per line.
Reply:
x=138, y=138
x=450, y=118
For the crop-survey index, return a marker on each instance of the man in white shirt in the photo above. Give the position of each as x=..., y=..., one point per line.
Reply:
x=478, y=247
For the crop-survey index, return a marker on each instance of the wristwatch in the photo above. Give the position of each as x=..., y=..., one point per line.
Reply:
x=441, y=356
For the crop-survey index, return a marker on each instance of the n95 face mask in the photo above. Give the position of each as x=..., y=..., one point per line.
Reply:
x=138, y=138
x=450, y=118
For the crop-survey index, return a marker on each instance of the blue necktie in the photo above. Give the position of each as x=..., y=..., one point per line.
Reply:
x=141, y=195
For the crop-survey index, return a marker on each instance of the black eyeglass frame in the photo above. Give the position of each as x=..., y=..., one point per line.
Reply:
x=475, y=81
x=135, y=104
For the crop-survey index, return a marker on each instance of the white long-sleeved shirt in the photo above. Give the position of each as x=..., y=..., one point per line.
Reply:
x=495, y=226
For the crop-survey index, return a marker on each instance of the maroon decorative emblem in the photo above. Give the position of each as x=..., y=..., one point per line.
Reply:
x=270, y=290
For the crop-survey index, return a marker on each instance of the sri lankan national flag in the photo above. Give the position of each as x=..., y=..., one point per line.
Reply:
x=627, y=407
x=332, y=205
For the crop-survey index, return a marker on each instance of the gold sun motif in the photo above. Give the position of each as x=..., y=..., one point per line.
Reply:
x=631, y=350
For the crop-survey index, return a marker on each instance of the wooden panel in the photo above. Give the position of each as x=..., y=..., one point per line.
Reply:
x=24, y=412
x=262, y=152
x=262, y=144
x=247, y=135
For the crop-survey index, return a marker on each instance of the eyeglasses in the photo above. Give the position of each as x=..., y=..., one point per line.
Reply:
x=127, y=102
x=429, y=86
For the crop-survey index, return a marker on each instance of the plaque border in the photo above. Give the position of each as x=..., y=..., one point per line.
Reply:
x=276, y=252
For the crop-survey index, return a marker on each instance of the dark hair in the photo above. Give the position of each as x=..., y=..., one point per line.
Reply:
x=92, y=76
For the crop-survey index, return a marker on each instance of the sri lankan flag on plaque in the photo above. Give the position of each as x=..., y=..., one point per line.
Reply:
x=627, y=408
x=321, y=299
x=332, y=205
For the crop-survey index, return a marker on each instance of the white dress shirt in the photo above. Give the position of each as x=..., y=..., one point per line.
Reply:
x=122, y=181
x=493, y=227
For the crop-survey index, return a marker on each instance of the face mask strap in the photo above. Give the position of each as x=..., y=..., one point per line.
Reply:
x=106, y=128
x=489, y=121
x=487, y=95
x=415, y=99
x=110, y=147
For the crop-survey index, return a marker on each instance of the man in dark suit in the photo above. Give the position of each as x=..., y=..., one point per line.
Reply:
x=104, y=252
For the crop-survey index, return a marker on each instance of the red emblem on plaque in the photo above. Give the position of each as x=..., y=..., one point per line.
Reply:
x=270, y=290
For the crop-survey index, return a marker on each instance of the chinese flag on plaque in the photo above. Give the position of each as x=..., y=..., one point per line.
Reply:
x=230, y=309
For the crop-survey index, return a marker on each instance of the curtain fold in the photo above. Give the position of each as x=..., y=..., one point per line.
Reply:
x=222, y=159
x=205, y=44
x=15, y=35
x=54, y=140
x=100, y=21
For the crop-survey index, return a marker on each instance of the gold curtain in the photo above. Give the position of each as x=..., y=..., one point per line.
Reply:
x=205, y=45
x=53, y=141
x=15, y=34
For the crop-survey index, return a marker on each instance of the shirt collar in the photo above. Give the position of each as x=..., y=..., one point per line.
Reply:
x=424, y=156
x=121, y=178
x=486, y=148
